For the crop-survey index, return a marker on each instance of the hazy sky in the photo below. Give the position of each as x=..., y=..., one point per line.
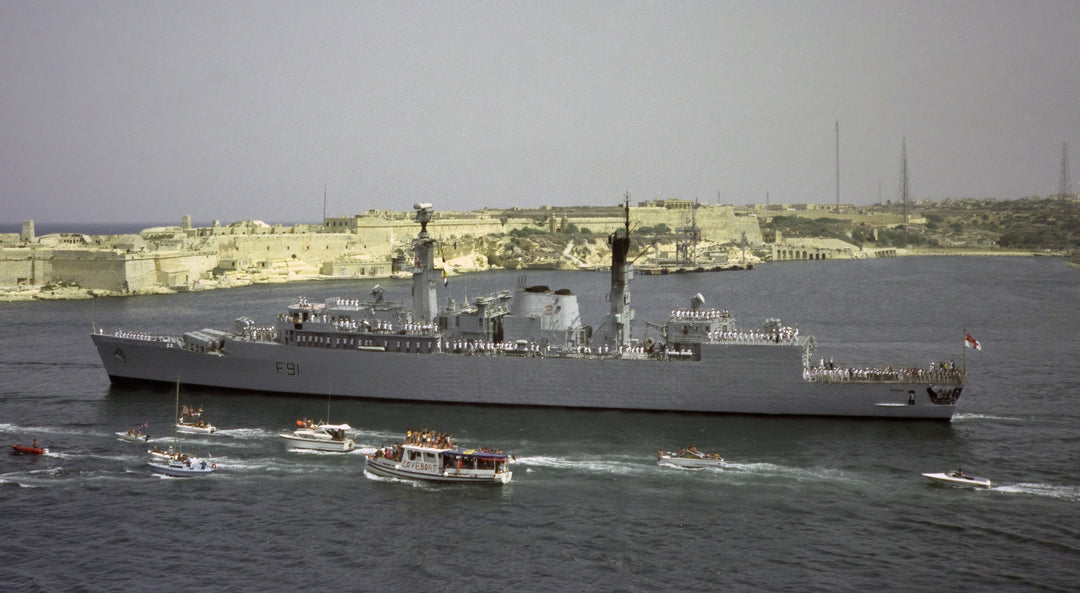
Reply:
x=149, y=110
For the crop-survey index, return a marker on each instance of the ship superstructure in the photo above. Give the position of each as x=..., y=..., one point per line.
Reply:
x=529, y=347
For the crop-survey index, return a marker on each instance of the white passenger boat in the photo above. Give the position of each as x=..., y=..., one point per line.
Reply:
x=427, y=456
x=319, y=437
x=690, y=459
x=959, y=478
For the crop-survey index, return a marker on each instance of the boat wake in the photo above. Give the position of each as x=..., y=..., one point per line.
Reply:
x=245, y=434
x=978, y=417
x=606, y=466
x=1066, y=493
x=38, y=478
x=316, y=452
x=413, y=483
x=800, y=474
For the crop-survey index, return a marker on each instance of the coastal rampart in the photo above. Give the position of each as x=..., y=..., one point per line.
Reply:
x=103, y=270
x=361, y=246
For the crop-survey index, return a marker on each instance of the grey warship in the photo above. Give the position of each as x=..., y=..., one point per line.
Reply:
x=529, y=348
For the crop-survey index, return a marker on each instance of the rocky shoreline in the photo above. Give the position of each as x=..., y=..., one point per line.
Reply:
x=467, y=264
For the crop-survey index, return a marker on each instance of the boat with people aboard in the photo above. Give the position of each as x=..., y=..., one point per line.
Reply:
x=690, y=458
x=319, y=437
x=174, y=462
x=190, y=421
x=698, y=360
x=134, y=434
x=180, y=465
x=430, y=456
x=161, y=455
x=29, y=450
x=959, y=478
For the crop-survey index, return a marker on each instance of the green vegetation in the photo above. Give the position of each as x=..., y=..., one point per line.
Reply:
x=797, y=226
x=527, y=231
x=1028, y=223
x=656, y=229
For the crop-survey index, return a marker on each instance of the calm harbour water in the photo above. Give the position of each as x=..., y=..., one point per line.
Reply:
x=807, y=504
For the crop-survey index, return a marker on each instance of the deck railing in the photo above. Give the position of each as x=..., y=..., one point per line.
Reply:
x=884, y=375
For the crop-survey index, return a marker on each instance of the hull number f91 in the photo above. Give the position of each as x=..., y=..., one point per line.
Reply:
x=287, y=368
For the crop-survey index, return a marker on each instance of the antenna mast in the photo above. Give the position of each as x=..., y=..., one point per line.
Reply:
x=838, y=167
x=905, y=184
x=1065, y=185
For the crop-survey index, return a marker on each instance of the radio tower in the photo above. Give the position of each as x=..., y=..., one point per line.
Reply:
x=838, y=166
x=905, y=184
x=1065, y=185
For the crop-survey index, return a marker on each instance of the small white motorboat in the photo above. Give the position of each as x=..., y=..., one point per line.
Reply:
x=133, y=435
x=179, y=465
x=190, y=421
x=195, y=428
x=319, y=437
x=959, y=478
x=690, y=459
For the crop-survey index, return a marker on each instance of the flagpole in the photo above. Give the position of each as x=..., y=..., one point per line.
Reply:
x=963, y=358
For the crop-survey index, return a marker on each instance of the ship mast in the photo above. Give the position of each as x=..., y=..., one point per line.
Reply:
x=622, y=271
x=424, y=274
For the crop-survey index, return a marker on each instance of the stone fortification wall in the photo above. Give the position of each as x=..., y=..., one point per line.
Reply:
x=241, y=251
x=462, y=226
x=718, y=224
x=18, y=266
x=106, y=270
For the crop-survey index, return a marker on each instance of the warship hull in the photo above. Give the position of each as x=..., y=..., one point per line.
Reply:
x=738, y=379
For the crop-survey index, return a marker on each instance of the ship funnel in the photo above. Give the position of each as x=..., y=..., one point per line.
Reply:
x=697, y=301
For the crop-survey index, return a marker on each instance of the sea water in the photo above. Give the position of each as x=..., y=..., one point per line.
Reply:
x=805, y=504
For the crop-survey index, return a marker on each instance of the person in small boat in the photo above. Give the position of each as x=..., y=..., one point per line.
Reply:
x=959, y=473
x=35, y=444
